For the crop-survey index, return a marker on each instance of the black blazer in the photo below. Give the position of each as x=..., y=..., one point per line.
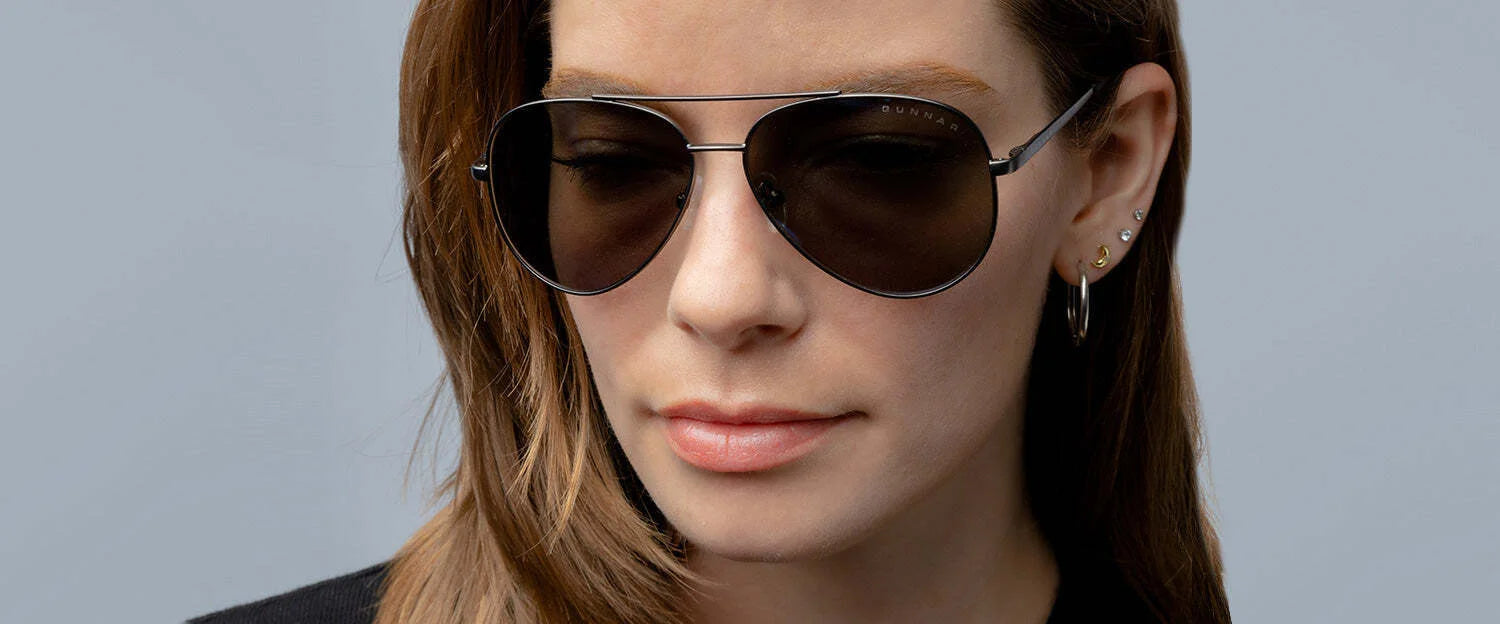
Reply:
x=347, y=599
x=352, y=599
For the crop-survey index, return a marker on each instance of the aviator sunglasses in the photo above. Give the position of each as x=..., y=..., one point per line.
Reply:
x=891, y=194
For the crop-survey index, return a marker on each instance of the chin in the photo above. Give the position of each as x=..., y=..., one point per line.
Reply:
x=770, y=544
x=770, y=529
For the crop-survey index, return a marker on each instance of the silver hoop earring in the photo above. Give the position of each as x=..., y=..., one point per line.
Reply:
x=1078, y=307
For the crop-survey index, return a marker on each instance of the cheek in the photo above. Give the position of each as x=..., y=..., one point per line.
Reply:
x=956, y=362
x=610, y=328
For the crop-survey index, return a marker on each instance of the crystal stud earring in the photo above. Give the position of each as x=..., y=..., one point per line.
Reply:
x=1125, y=235
x=1140, y=215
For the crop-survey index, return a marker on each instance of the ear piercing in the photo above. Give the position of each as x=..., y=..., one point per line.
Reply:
x=1125, y=236
x=1103, y=258
x=1078, y=307
x=1140, y=215
x=1078, y=301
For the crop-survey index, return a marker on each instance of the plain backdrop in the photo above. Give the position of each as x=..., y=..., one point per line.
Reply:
x=213, y=364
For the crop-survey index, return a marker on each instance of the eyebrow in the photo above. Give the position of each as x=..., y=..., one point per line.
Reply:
x=912, y=78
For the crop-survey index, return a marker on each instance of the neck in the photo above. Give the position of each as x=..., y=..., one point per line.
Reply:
x=969, y=552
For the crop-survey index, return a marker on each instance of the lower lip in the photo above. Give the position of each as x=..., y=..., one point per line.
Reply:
x=723, y=447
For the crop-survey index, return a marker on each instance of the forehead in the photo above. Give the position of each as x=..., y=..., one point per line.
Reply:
x=934, y=48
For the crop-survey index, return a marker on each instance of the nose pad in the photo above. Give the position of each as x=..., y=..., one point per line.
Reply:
x=770, y=197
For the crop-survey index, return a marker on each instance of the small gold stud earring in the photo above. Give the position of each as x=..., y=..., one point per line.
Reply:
x=1103, y=257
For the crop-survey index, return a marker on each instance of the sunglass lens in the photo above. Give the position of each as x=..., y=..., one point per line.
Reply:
x=587, y=191
x=890, y=194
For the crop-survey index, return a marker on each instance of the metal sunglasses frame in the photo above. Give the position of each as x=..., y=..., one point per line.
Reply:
x=1015, y=158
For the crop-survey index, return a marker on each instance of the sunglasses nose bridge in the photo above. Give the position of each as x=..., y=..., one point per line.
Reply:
x=716, y=147
x=765, y=192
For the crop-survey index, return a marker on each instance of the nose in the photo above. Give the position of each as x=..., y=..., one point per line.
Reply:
x=734, y=286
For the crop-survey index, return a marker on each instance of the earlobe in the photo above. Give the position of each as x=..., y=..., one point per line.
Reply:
x=1122, y=174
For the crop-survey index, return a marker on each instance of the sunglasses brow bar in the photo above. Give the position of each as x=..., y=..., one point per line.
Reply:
x=1001, y=166
x=627, y=97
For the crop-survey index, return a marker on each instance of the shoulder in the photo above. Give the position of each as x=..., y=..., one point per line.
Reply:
x=346, y=599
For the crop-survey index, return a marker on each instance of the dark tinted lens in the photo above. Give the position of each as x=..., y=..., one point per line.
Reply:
x=588, y=191
x=891, y=194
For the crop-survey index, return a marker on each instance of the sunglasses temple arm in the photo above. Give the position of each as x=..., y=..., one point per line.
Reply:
x=480, y=170
x=1023, y=152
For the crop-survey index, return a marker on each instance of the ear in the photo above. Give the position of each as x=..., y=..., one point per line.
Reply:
x=1121, y=175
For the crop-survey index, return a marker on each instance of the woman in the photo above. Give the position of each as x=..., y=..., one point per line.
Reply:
x=911, y=351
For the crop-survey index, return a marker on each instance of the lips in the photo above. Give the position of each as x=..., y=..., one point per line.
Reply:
x=748, y=439
x=753, y=414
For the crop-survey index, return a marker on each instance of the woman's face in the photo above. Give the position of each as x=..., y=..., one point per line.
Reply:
x=729, y=313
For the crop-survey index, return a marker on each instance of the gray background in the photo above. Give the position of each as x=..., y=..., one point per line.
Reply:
x=212, y=362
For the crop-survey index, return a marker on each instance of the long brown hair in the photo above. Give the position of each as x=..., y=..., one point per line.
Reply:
x=543, y=520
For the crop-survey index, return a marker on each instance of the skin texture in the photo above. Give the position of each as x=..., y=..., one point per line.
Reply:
x=913, y=511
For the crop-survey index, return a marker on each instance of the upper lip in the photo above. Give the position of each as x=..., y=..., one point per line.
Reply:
x=744, y=414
